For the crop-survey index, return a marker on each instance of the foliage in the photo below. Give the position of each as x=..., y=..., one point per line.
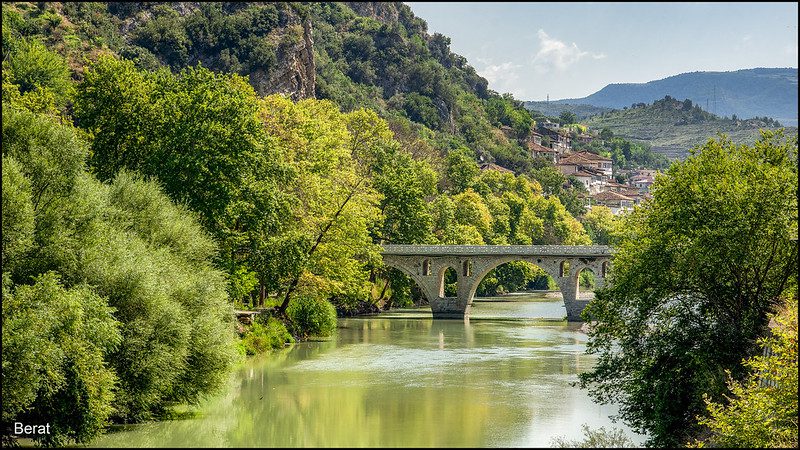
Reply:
x=312, y=316
x=17, y=213
x=601, y=225
x=762, y=409
x=670, y=128
x=200, y=135
x=696, y=272
x=334, y=156
x=599, y=438
x=56, y=347
x=124, y=246
x=264, y=334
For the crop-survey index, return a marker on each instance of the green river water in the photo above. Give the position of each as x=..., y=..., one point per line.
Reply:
x=401, y=379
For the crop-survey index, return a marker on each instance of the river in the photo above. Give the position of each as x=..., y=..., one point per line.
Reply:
x=401, y=379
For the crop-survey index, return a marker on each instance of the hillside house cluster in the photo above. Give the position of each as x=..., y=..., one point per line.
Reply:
x=553, y=143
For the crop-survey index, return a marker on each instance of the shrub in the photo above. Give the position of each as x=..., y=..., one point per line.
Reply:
x=264, y=334
x=312, y=316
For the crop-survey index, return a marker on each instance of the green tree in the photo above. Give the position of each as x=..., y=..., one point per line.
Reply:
x=56, y=348
x=200, y=135
x=460, y=170
x=761, y=411
x=601, y=224
x=124, y=246
x=696, y=272
x=567, y=117
x=334, y=156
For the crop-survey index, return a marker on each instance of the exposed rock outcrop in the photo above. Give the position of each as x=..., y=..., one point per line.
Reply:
x=295, y=72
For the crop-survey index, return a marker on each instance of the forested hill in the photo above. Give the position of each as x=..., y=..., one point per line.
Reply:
x=376, y=55
x=672, y=126
x=770, y=92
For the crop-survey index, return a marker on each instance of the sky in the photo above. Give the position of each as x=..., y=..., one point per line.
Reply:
x=571, y=50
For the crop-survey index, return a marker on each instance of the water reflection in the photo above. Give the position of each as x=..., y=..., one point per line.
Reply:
x=402, y=380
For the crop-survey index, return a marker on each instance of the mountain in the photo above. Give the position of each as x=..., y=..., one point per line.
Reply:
x=672, y=126
x=375, y=55
x=747, y=93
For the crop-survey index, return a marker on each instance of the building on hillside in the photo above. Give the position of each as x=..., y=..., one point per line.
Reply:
x=642, y=182
x=646, y=172
x=588, y=159
x=493, y=166
x=615, y=201
x=535, y=137
x=540, y=151
x=559, y=139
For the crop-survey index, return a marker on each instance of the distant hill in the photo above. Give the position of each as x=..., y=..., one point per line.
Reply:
x=747, y=93
x=552, y=109
x=672, y=126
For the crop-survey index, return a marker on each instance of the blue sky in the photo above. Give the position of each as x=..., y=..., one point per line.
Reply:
x=571, y=50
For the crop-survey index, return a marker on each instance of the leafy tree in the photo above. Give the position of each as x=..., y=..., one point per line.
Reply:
x=696, y=272
x=601, y=224
x=567, y=117
x=123, y=246
x=762, y=409
x=461, y=170
x=198, y=133
x=334, y=156
x=38, y=72
x=56, y=347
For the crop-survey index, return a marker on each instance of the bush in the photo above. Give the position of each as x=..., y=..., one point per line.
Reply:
x=312, y=316
x=264, y=334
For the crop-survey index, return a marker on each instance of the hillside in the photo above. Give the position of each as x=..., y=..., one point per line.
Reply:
x=553, y=109
x=374, y=55
x=672, y=127
x=770, y=92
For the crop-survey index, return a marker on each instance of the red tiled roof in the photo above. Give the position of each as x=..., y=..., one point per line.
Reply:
x=539, y=148
x=492, y=166
x=610, y=195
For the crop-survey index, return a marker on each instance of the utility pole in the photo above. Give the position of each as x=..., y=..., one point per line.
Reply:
x=715, y=99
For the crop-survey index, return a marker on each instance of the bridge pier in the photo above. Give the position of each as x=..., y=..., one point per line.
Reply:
x=450, y=308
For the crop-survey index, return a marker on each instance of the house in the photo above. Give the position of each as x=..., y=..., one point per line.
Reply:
x=615, y=201
x=559, y=139
x=535, y=137
x=540, y=151
x=642, y=182
x=589, y=159
x=492, y=166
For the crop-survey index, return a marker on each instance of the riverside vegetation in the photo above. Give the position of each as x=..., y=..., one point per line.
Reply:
x=144, y=197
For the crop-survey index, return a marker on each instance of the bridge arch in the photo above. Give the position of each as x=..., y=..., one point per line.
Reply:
x=486, y=268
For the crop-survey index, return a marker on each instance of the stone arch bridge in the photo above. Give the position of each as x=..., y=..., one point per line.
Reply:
x=427, y=264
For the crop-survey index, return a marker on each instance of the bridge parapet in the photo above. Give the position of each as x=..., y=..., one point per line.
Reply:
x=510, y=250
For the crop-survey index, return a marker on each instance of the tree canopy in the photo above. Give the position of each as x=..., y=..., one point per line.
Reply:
x=697, y=271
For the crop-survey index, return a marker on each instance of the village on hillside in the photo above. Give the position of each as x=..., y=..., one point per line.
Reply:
x=553, y=142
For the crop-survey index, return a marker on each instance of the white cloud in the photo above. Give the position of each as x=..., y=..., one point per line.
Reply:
x=555, y=54
x=504, y=73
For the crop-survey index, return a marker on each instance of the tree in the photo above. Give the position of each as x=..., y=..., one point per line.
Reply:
x=461, y=170
x=95, y=249
x=334, y=156
x=567, y=117
x=762, y=409
x=199, y=134
x=601, y=224
x=696, y=272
